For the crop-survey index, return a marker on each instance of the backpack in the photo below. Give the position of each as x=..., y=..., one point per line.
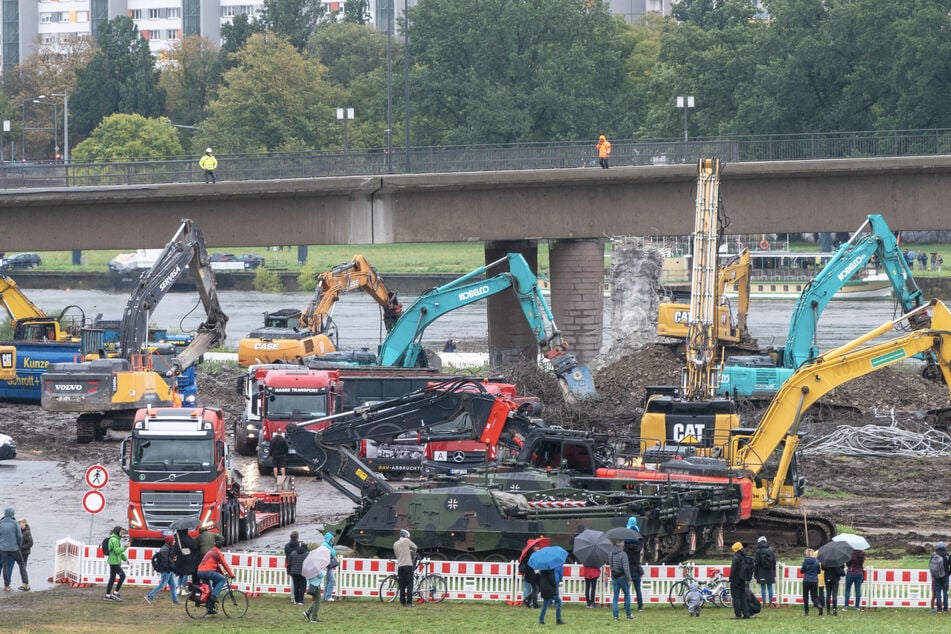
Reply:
x=749, y=568
x=104, y=546
x=159, y=560
x=937, y=567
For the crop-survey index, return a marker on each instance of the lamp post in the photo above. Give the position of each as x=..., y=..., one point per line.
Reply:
x=345, y=114
x=406, y=79
x=389, y=89
x=65, y=96
x=685, y=102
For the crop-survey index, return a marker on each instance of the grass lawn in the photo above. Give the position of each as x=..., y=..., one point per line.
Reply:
x=71, y=610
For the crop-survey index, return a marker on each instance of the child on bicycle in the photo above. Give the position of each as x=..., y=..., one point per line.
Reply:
x=208, y=571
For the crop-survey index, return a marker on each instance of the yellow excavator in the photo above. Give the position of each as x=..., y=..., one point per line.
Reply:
x=292, y=335
x=32, y=324
x=672, y=318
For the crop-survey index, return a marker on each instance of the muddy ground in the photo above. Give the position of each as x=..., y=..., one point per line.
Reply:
x=899, y=503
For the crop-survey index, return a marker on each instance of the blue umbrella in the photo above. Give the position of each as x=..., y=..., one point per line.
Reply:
x=550, y=558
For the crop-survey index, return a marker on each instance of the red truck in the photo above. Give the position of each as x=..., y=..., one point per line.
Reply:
x=180, y=475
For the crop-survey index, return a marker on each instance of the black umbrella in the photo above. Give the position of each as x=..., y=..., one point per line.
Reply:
x=184, y=524
x=592, y=548
x=834, y=554
x=622, y=533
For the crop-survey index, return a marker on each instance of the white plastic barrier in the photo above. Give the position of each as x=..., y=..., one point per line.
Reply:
x=81, y=564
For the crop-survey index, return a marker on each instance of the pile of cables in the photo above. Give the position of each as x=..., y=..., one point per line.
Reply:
x=878, y=440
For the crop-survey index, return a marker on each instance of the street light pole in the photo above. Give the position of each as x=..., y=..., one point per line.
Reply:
x=345, y=114
x=406, y=79
x=685, y=102
x=389, y=89
x=65, y=97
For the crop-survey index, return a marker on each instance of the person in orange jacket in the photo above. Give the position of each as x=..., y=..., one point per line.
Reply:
x=604, y=151
x=208, y=571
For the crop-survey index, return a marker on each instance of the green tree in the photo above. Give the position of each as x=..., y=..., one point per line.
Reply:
x=120, y=77
x=348, y=50
x=514, y=70
x=235, y=34
x=123, y=137
x=357, y=12
x=273, y=100
x=295, y=20
x=191, y=73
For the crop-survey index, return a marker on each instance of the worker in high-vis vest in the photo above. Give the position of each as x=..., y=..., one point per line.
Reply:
x=604, y=151
x=208, y=163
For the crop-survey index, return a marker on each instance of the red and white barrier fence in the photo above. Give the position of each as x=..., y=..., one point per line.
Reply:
x=82, y=564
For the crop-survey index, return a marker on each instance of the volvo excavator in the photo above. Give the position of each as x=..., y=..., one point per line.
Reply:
x=291, y=335
x=106, y=393
x=673, y=318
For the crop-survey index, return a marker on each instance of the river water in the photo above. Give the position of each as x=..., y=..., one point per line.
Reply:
x=360, y=324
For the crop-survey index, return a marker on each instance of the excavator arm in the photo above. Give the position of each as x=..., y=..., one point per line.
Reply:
x=848, y=260
x=780, y=424
x=356, y=274
x=403, y=347
x=451, y=410
x=186, y=250
x=17, y=305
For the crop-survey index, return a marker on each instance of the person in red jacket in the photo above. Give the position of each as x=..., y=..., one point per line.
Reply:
x=591, y=576
x=208, y=570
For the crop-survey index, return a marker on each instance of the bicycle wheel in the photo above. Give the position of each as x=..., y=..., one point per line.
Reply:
x=389, y=589
x=724, y=598
x=677, y=593
x=432, y=588
x=234, y=603
x=194, y=609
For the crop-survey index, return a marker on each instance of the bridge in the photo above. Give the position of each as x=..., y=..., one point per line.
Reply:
x=574, y=208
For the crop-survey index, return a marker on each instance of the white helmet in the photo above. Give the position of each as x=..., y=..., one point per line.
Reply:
x=208, y=150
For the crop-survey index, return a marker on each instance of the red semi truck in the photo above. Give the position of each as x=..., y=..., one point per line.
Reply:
x=179, y=467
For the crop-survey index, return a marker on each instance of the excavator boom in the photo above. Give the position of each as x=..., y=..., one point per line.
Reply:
x=349, y=276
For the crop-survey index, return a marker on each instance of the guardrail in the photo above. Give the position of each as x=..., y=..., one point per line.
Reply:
x=260, y=574
x=479, y=158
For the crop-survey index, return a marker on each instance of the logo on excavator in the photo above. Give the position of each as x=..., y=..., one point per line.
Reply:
x=682, y=317
x=267, y=346
x=680, y=431
x=66, y=387
x=170, y=278
x=847, y=272
x=473, y=293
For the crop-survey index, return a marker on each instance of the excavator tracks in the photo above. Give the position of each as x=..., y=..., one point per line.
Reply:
x=784, y=529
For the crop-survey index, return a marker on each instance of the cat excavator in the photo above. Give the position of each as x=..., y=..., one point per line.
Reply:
x=291, y=335
x=106, y=392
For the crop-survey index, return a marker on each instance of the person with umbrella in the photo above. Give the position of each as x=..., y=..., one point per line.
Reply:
x=549, y=563
x=810, y=581
x=633, y=549
x=740, y=575
x=405, y=551
x=833, y=573
x=620, y=580
x=592, y=550
x=314, y=570
x=854, y=576
x=529, y=576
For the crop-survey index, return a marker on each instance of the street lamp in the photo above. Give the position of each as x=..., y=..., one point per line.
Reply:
x=406, y=78
x=65, y=96
x=389, y=88
x=686, y=103
x=345, y=114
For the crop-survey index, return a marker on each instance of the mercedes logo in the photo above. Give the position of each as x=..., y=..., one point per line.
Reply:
x=458, y=456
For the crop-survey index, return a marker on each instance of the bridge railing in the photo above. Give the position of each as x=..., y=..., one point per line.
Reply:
x=478, y=158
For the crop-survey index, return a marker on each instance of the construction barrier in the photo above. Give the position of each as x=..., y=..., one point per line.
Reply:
x=82, y=564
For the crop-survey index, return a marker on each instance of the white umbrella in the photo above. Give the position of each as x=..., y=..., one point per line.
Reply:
x=855, y=541
x=316, y=562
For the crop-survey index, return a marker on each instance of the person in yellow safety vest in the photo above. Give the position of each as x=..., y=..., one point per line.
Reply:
x=604, y=151
x=208, y=163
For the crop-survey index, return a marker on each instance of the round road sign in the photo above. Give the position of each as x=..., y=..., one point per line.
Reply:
x=94, y=501
x=97, y=476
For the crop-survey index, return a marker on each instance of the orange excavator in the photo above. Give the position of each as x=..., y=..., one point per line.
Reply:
x=290, y=335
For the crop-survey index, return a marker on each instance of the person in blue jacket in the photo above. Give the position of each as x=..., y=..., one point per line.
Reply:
x=810, y=581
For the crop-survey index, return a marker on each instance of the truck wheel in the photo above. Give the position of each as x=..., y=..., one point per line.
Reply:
x=235, y=526
x=242, y=443
x=265, y=470
x=248, y=526
x=395, y=476
x=226, y=524
x=86, y=426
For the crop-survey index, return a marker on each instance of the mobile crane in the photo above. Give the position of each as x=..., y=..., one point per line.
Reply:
x=314, y=332
x=672, y=318
x=402, y=346
x=758, y=376
x=107, y=392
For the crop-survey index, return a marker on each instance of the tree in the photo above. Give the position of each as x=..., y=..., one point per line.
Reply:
x=273, y=100
x=190, y=77
x=235, y=34
x=124, y=137
x=121, y=77
x=357, y=12
x=348, y=50
x=489, y=71
x=295, y=20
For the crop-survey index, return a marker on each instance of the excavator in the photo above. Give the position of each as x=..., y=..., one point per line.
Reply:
x=760, y=376
x=32, y=324
x=106, y=392
x=403, y=348
x=292, y=335
x=672, y=318
x=8, y=362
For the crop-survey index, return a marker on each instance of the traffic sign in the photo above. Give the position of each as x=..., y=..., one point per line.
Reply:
x=97, y=476
x=94, y=501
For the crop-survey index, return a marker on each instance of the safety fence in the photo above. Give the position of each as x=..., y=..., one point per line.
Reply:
x=259, y=574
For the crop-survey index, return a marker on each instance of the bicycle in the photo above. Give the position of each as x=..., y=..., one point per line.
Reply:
x=427, y=587
x=715, y=591
x=233, y=602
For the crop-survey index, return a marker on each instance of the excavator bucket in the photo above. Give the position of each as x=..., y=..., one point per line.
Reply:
x=578, y=382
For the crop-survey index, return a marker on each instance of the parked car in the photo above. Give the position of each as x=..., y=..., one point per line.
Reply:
x=134, y=262
x=22, y=261
x=232, y=262
x=8, y=448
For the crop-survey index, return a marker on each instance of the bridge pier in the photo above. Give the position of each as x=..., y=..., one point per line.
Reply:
x=510, y=338
x=576, y=268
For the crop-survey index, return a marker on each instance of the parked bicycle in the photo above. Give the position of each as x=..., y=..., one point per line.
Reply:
x=428, y=587
x=233, y=602
x=715, y=590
